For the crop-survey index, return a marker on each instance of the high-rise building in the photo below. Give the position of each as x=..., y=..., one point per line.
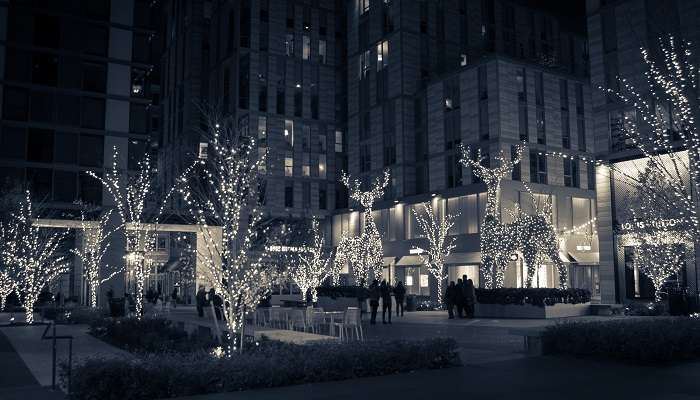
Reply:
x=617, y=30
x=426, y=77
x=77, y=80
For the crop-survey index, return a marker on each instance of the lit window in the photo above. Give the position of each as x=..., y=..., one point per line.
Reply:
x=322, y=166
x=306, y=50
x=289, y=132
x=288, y=165
x=364, y=6
x=262, y=129
x=305, y=167
x=382, y=55
x=322, y=51
x=338, y=141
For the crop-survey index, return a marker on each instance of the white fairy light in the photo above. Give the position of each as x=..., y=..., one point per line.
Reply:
x=437, y=231
x=95, y=245
x=32, y=253
x=227, y=201
x=312, y=264
x=534, y=235
x=364, y=252
x=132, y=195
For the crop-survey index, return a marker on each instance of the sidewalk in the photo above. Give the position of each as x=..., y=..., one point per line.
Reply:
x=36, y=354
x=16, y=381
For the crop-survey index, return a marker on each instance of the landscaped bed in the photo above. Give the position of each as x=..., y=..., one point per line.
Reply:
x=641, y=340
x=531, y=303
x=267, y=364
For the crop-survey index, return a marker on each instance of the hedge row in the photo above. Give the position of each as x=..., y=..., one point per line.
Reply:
x=270, y=364
x=535, y=296
x=148, y=335
x=642, y=340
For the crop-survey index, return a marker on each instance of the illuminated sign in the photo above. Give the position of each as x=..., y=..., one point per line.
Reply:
x=654, y=223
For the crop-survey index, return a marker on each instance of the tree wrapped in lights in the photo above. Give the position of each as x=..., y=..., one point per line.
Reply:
x=139, y=212
x=660, y=249
x=440, y=245
x=225, y=201
x=312, y=265
x=34, y=254
x=363, y=252
x=7, y=282
x=665, y=120
x=95, y=245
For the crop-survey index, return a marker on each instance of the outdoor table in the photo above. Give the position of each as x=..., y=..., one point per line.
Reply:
x=332, y=315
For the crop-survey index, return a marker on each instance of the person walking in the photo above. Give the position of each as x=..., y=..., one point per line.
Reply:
x=173, y=298
x=459, y=298
x=385, y=290
x=399, y=295
x=470, y=298
x=201, y=300
x=216, y=301
x=449, y=299
x=374, y=300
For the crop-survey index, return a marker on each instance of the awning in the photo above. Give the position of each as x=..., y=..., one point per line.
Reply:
x=464, y=258
x=586, y=258
x=566, y=257
x=410, y=260
x=389, y=260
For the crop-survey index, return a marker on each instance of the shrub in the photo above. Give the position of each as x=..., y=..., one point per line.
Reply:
x=148, y=335
x=359, y=292
x=270, y=364
x=636, y=308
x=642, y=340
x=535, y=296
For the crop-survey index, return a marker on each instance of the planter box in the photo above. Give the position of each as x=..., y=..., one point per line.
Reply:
x=559, y=310
x=339, y=303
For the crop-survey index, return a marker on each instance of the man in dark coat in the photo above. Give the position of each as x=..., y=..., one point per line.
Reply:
x=399, y=295
x=385, y=290
x=374, y=300
x=459, y=298
x=470, y=298
x=201, y=300
x=450, y=298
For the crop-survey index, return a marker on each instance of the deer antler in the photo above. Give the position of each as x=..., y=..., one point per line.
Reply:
x=475, y=164
x=365, y=198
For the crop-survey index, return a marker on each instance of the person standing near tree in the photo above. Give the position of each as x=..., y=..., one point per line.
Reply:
x=385, y=290
x=449, y=299
x=399, y=295
x=458, y=297
x=201, y=300
x=374, y=301
x=470, y=298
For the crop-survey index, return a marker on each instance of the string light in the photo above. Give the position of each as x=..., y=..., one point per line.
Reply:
x=132, y=195
x=7, y=282
x=312, y=265
x=225, y=202
x=440, y=246
x=533, y=235
x=365, y=251
x=32, y=254
x=95, y=245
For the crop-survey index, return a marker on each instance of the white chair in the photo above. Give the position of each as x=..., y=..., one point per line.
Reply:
x=351, y=322
x=314, y=319
x=297, y=319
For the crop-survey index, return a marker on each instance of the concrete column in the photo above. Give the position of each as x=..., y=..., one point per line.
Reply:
x=606, y=239
x=205, y=251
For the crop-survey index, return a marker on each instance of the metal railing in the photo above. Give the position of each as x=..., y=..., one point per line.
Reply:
x=54, y=338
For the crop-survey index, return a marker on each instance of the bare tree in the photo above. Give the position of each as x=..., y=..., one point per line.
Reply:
x=33, y=254
x=441, y=245
x=312, y=266
x=225, y=200
x=95, y=243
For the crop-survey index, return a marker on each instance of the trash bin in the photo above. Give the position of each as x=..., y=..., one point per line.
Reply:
x=116, y=307
x=677, y=303
x=410, y=303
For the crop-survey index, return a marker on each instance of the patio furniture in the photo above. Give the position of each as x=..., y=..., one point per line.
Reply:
x=314, y=319
x=297, y=319
x=351, y=323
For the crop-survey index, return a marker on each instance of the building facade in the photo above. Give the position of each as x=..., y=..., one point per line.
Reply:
x=76, y=82
x=425, y=77
x=617, y=30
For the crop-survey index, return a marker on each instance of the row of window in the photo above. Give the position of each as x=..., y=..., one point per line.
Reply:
x=57, y=185
x=305, y=196
x=399, y=222
x=21, y=104
x=69, y=148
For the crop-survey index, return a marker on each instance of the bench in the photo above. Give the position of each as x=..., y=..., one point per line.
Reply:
x=532, y=339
